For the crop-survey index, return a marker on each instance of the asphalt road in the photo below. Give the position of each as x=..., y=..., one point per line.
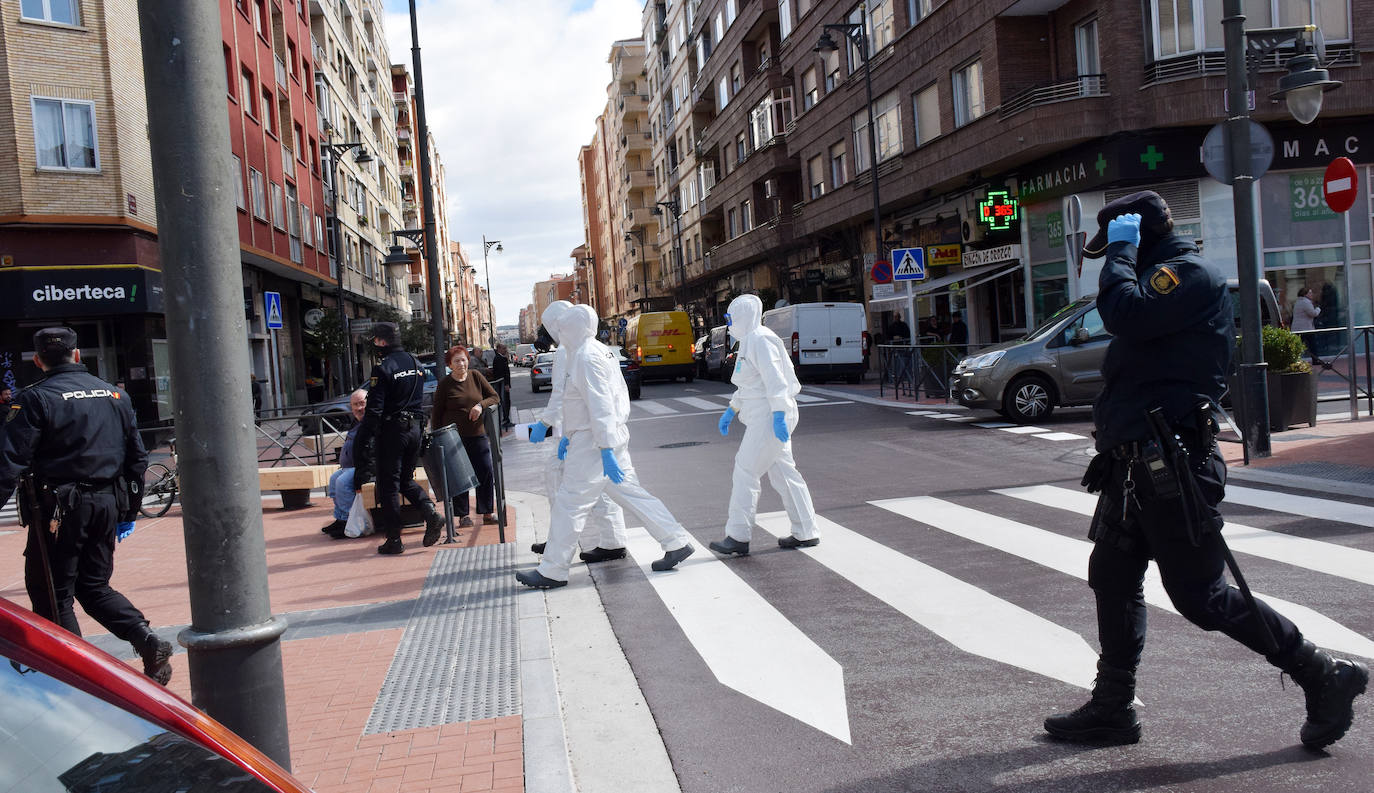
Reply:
x=944, y=615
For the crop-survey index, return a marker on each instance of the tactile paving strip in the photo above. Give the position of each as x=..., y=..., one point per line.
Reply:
x=458, y=659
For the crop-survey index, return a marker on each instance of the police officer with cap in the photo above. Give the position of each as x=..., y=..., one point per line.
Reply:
x=395, y=419
x=1161, y=478
x=73, y=434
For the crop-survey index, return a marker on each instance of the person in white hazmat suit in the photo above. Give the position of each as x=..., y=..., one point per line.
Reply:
x=606, y=516
x=765, y=400
x=596, y=405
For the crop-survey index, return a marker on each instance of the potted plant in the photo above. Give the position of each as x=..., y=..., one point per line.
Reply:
x=1291, y=383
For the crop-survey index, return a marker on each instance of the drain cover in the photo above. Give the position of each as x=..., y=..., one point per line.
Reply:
x=682, y=445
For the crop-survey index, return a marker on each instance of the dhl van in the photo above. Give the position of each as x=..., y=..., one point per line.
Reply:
x=662, y=343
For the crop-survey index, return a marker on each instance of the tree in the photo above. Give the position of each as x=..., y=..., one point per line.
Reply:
x=325, y=340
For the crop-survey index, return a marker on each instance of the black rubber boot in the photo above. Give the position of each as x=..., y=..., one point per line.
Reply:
x=157, y=657
x=391, y=547
x=671, y=558
x=729, y=546
x=434, y=522
x=337, y=525
x=1108, y=718
x=536, y=580
x=792, y=542
x=599, y=554
x=537, y=547
x=1330, y=686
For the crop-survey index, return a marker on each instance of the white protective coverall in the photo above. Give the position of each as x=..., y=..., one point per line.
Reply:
x=596, y=405
x=607, y=518
x=764, y=383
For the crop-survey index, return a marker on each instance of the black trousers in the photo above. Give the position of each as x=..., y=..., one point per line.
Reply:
x=81, y=557
x=1194, y=576
x=398, y=449
x=505, y=405
x=478, y=448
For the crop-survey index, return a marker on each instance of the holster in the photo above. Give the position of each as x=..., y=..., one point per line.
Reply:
x=1176, y=456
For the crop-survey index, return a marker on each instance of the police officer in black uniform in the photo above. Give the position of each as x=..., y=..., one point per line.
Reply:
x=74, y=434
x=1161, y=479
x=394, y=421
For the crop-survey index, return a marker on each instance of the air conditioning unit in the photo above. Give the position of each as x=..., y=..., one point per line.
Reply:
x=972, y=230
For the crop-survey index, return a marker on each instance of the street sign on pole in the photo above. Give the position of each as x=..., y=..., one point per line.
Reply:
x=1340, y=185
x=271, y=303
x=624, y=323
x=882, y=272
x=909, y=264
x=1217, y=160
x=361, y=327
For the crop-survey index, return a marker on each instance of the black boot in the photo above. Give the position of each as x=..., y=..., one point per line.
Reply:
x=337, y=525
x=1330, y=685
x=599, y=554
x=157, y=657
x=729, y=546
x=433, y=523
x=392, y=546
x=1107, y=718
x=537, y=547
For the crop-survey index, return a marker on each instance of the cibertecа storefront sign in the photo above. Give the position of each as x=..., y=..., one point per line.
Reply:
x=81, y=291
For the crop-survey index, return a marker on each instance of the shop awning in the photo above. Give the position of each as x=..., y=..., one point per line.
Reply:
x=972, y=275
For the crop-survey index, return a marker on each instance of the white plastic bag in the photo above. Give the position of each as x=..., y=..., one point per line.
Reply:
x=359, y=521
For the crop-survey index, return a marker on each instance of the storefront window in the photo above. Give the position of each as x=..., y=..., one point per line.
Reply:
x=1049, y=289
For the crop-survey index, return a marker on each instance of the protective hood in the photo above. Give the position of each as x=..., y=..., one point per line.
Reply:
x=551, y=316
x=746, y=315
x=576, y=325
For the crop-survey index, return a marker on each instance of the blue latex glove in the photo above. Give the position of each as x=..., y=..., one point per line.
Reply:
x=123, y=530
x=539, y=432
x=563, y=449
x=610, y=467
x=1126, y=228
x=780, y=426
x=726, y=419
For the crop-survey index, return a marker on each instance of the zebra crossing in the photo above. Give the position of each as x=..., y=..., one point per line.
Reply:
x=752, y=649
x=707, y=403
x=1002, y=426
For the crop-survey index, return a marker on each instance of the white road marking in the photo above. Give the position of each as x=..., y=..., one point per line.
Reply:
x=1023, y=430
x=810, y=398
x=1306, y=506
x=967, y=617
x=1352, y=564
x=993, y=425
x=943, y=415
x=1070, y=556
x=651, y=406
x=747, y=643
x=702, y=404
x=1062, y=436
x=922, y=412
x=962, y=418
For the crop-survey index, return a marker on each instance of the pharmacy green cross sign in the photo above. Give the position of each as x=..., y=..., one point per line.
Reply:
x=1152, y=157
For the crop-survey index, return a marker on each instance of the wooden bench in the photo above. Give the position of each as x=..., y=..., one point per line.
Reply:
x=369, y=494
x=295, y=482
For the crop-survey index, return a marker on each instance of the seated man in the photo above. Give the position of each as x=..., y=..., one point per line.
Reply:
x=341, y=481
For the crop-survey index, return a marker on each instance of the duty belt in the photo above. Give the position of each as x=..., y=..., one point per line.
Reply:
x=1126, y=451
x=406, y=416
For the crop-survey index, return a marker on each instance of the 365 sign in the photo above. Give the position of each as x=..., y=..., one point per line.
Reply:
x=1305, y=193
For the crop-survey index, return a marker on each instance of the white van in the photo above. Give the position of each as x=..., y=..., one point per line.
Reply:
x=826, y=340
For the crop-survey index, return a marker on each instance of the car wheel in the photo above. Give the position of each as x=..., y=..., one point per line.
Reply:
x=534, y=388
x=1028, y=398
x=854, y=379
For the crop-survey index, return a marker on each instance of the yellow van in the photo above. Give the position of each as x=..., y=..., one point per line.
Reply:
x=662, y=343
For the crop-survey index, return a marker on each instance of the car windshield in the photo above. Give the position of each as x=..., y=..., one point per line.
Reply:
x=1056, y=318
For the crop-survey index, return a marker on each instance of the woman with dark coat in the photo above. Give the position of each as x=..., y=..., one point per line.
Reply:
x=460, y=399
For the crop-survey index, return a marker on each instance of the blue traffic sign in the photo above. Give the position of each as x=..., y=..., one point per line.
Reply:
x=909, y=264
x=271, y=303
x=624, y=323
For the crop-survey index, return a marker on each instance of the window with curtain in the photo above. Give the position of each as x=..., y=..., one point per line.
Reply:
x=916, y=10
x=815, y=175
x=888, y=131
x=879, y=25
x=259, y=192
x=63, y=12
x=784, y=18
x=64, y=134
x=240, y=199
x=1179, y=27
x=925, y=104
x=967, y=83
x=838, y=173
x=832, y=70
x=278, y=211
x=809, y=93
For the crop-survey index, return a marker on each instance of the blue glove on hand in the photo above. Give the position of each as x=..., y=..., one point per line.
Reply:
x=123, y=530
x=539, y=432
x=780, y=426
x=563, y=449
x=1126, y=228
x=726, y=419
x=610, y=467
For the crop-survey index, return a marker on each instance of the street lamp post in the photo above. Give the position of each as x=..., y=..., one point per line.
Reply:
x=336, y=150
x=431, y=231
x=673, y=206
x=1303, y=88
x=857, y=34
x=491, y=316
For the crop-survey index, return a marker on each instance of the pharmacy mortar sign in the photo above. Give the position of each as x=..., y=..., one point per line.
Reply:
x=1002, y=253
x=908, y=264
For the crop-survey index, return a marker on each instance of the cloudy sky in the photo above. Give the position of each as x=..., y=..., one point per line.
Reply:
x=512, y=91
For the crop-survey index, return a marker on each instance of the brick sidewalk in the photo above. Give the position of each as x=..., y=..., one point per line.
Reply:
x=333, y=681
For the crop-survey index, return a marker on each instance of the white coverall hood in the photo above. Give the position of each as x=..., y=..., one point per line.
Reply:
x=746, y=315
x=551, y=315
x=575, y=326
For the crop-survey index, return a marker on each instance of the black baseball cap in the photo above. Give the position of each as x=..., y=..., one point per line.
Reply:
x=57, y=340
x=387, y=332
x=1154, y=219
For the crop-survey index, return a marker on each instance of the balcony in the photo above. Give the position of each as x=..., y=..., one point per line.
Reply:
x=400, y=97
x=1087, y=85
x=639, y=179
x=634, y=103
x=639, y=217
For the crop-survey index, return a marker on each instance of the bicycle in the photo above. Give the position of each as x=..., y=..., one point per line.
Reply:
x=159, y=487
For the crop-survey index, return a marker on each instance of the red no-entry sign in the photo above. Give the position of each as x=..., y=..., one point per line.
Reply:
x=1340, y=184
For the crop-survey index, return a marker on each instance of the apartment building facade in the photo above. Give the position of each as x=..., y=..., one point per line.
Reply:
x=990, y=119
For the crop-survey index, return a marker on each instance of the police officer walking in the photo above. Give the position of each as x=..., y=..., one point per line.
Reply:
x=71, y=438
x=395, y=419
x=1161, y=478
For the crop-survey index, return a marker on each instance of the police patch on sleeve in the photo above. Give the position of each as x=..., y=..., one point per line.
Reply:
x=13, y=413
x=372, y=381
x=1164, y=280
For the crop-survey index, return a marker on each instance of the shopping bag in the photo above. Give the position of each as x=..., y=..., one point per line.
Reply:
x=359, y=521
x=446, y=453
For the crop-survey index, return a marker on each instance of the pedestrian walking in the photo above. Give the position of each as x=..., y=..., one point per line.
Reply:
x=460, y=399
x=765, y=400
x=606, y=517
x=596, y=407
x=500, y=374
x=395, y=420
x=1161, y=478
x=1305, y=313
x=71, y=436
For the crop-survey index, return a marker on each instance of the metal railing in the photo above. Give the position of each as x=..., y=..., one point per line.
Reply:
x=1081, y=86
x=909, y=369
x=1331, y=350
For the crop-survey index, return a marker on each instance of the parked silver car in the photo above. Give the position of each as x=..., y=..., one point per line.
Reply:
x=1058, y=365
x=541, y=374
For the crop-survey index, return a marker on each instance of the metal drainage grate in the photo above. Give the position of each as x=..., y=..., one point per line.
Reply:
x=458, y=660
x=682, y=445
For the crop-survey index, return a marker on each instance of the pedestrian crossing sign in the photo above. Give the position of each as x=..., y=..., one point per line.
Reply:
x=909, y=264
x=271, y=303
